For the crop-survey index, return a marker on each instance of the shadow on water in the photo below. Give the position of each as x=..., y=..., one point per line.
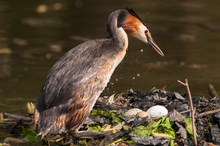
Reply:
x=34, y=34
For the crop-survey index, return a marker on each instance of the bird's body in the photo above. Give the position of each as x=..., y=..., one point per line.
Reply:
x=77, y=79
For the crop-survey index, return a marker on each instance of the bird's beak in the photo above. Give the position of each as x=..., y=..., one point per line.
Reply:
x=151, y=43
x=142, y=33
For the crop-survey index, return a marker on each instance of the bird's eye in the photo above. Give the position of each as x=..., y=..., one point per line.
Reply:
x=146, y=31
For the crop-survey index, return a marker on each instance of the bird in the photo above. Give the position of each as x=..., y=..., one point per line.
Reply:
x=77, y=79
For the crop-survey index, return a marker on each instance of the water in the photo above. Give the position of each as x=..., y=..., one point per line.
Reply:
x=34, y=34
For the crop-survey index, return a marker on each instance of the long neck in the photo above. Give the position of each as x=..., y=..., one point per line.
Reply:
x=117, y=33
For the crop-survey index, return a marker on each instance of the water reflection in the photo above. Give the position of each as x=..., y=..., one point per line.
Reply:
x=34, y=34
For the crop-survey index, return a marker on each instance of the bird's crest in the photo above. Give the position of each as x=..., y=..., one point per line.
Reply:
x=133, y=13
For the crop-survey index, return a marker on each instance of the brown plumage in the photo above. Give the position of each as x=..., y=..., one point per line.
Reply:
x=77, y=79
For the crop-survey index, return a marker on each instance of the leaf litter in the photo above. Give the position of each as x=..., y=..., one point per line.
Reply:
x=108, y=117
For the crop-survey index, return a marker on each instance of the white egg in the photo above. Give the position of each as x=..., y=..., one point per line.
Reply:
x=132, y=112
x=157, y=111
x=142, y=114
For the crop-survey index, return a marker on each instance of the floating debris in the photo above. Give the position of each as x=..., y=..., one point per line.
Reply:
x=57, y=6
x=42, y=8
x=20, y=42
x=5, y=51
x=56, y=48
x=212, y=91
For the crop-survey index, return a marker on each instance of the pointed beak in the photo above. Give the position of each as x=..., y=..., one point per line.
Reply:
x=143, y=34
x=151, y=43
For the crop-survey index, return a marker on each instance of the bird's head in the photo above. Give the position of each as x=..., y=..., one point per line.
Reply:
x=133, y=25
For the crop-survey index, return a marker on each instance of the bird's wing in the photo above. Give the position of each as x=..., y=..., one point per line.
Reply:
x=67, y=74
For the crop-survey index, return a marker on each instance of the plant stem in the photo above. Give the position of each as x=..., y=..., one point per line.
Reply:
x=192, y=111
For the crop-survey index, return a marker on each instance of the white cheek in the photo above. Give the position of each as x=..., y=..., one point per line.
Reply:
x=140, y=34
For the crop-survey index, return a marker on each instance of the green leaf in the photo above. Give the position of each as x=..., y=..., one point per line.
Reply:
x=155, y=124
x=172, y=143
x=117, y=120
x=30, y=135
x=95, y=127
x=142, y=131
x=163, y=125
x=166, y=126
x=147, y=130
x=188, y=122
x=113, y=114
x=98, y=112
x=83, y=143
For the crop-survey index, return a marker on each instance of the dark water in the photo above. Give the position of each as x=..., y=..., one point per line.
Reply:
x=34, y=34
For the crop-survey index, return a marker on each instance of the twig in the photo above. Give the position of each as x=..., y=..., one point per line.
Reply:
x=208, y=113
x=185, y=111
x=17, y=117
x=186, y=84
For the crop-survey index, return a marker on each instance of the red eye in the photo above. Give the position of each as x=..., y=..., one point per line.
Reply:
x=146, y=31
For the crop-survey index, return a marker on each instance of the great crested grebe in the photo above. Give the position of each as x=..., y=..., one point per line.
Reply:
x=76, y=80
